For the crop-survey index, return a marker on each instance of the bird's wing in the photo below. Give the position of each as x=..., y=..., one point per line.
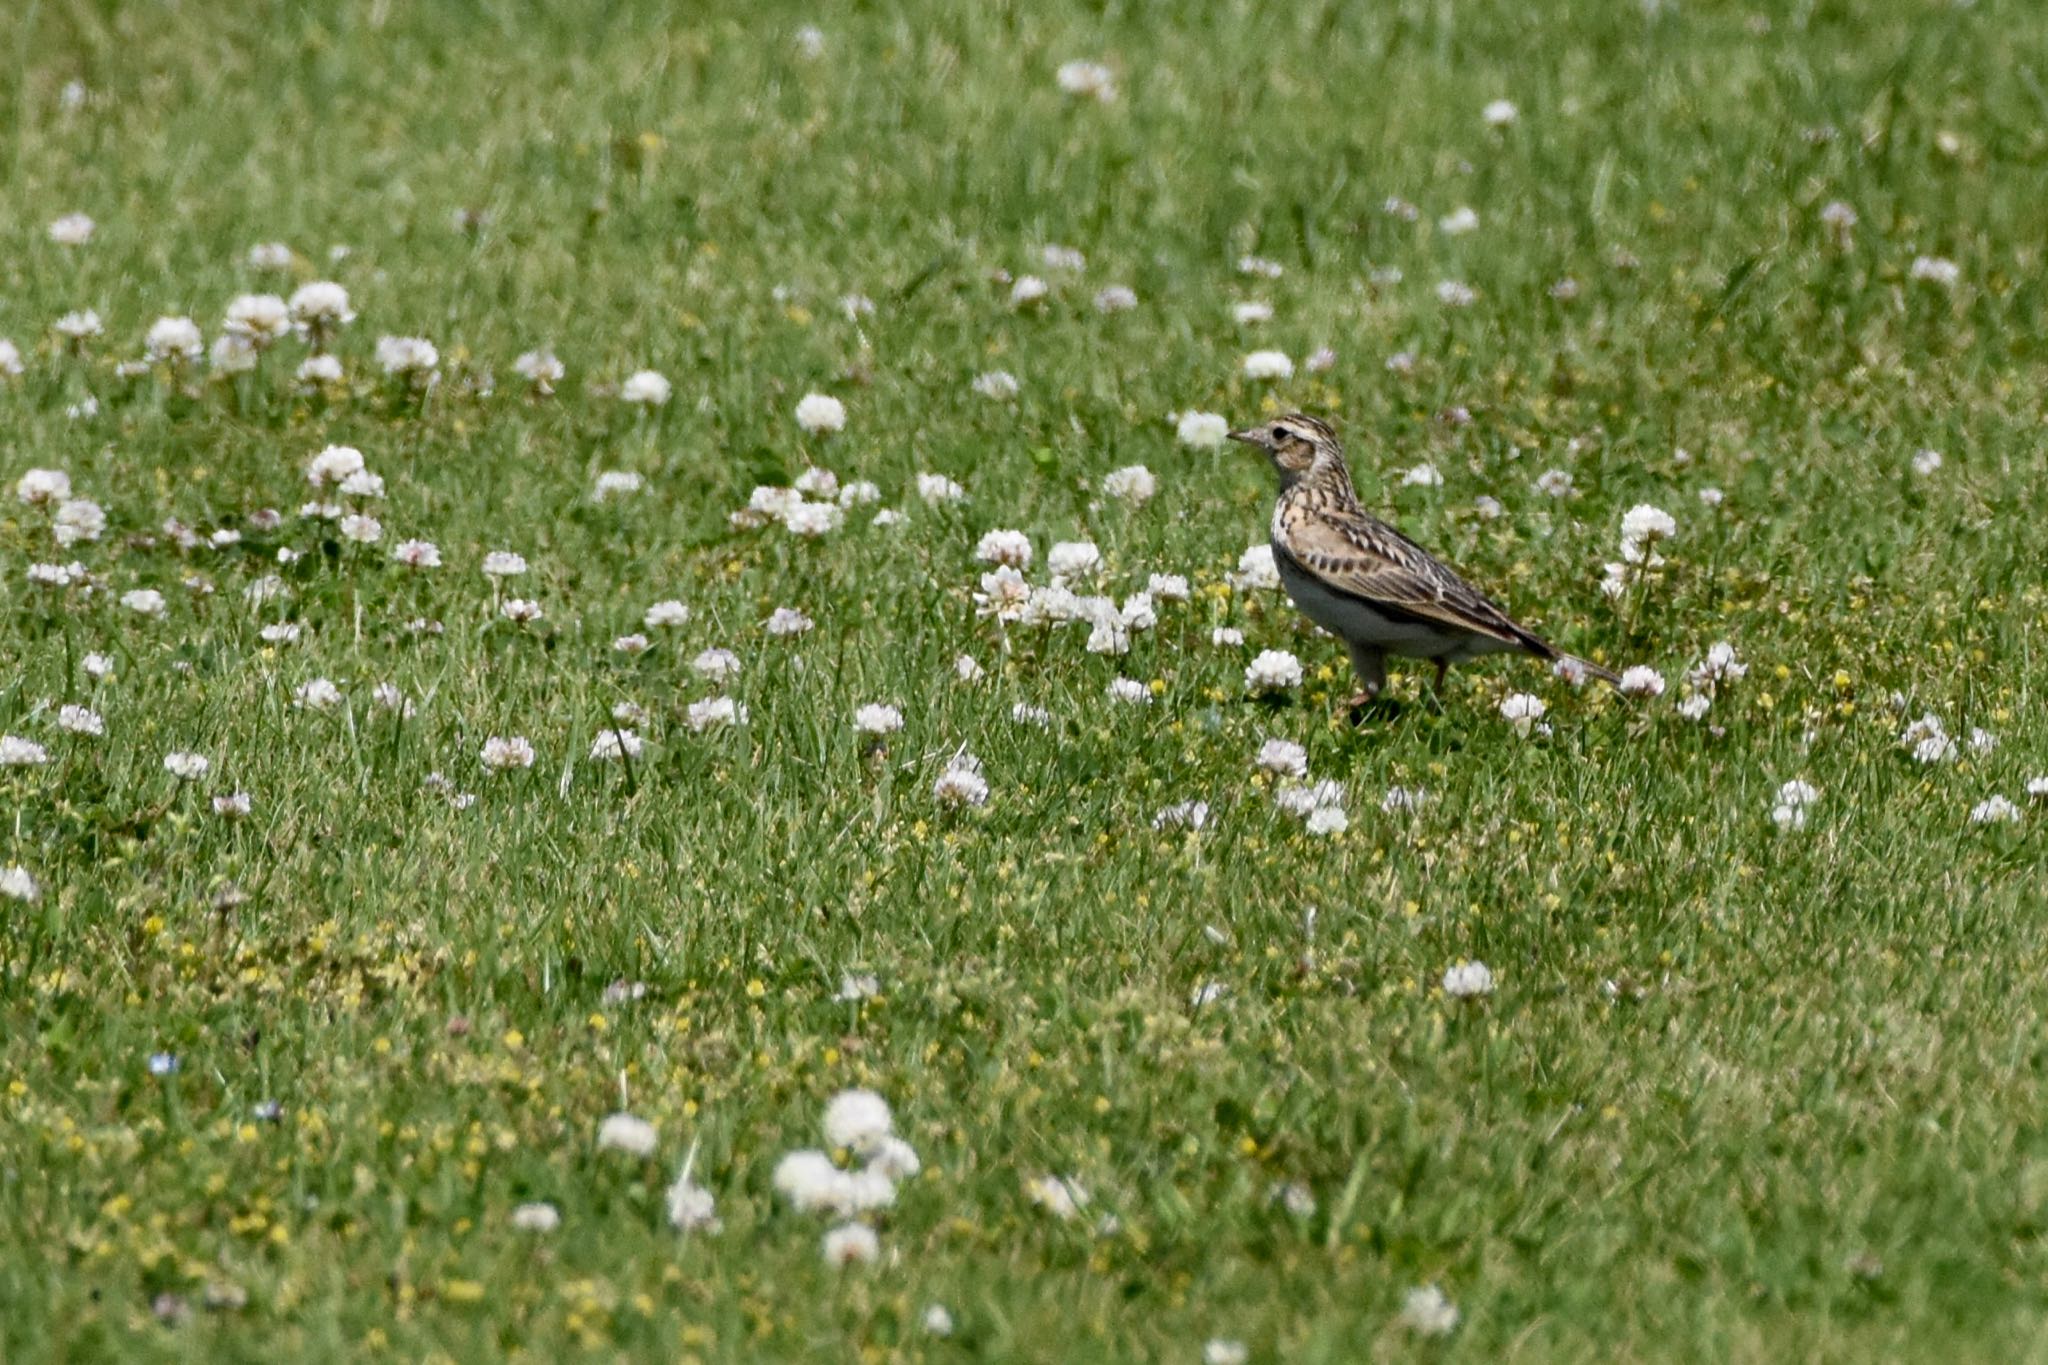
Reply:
x=1355, y=554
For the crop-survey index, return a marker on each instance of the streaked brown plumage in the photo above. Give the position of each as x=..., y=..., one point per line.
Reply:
x=1365, y=582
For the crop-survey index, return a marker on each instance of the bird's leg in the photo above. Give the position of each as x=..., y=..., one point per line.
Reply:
x=1443, y=666
x=1371, y=666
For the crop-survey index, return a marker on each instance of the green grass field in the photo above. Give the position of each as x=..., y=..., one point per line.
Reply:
x=1756, y=1079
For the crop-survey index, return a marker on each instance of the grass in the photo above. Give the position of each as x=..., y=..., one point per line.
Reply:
x=1739, y=1094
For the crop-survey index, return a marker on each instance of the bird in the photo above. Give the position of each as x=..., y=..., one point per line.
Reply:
x=1366, y=583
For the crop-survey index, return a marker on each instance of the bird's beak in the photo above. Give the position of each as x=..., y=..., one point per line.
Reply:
x=1250, y=438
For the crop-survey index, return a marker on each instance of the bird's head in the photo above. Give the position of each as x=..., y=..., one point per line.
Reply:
x=1293, y=443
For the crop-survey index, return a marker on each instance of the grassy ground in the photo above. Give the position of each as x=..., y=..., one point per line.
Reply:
x=1739, y=1093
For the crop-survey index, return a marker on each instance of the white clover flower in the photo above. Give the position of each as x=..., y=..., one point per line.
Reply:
x=1642, y=526
x=851, y=1244
x=876, y=718
x=787, y=621
x=1523, y=710
x=17, y=885
x=632, y=644
x=363, y=484
x=42, y=487
x=259, y=319
x=1459, y=221
x=78, y=326
x=1262, y=266
x=233, y=805
x=1428, y=1313
x=961, y=784
x=717, y=711
x=1251, y=312
x=719, y=666
x=1936, y=270
x=1256, y=569
x=280, y=633
x=1423, y=476
x=615, y=483
x=334, y=466
x=187, y=766
x=80, y=720
x=98, y=666
x=1024, y=713
x=668, y=613
x=1995, y=810
x=361, y=529
x=857, y=1120
x=629, y=1134
x=320, y=307
x=270, y=256
x=73, y=229
x=1088, y=80
x=648, y=388
x=1129, y=690
x=1641, y=681
x=502, y=754
x=78, y=519
x=1695, y=706
x=319, y=694
x=233, y=354
x=1116, y=298
x=415, y=357
x=1320, y=359
x=1029, y=289
x=998, y=385
x=16, y=752
x=317, y=371
x=691, y=1207
x=859, y=493
x=1133, y=484
x=937, y=488
x=820, y=413
x=57, y=575
x=1010, y=548
x=1468, y=980
x=615, y=744
x=1057, y=257
x=809, y=42
x=173, y=341
x=817, y=482
x=1556, y=483
x=536, y=1218
x=10, y=359
x=417, y=554
x=1500, y=114
x=1062, y=1197
x=1168, y=587
x=1456, y=294
x=542, y=369
x=520, y=610
x=1926, y=462
x=1069, y=559
x=1720, y=665
x=388, y=697
x=1268, y=365
x=811, y=1183
x=813, y=518
x=1275, y=670
x=1201, y=430
x=503, y=564
x=1402, y=363
x=144, y=601
x=967, y=669
x=1327, y=820
x=937, y=1321
x=2037, y=788
x=1283, y=756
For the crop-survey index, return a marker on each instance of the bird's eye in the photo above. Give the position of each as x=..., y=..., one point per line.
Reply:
x=1282, y=434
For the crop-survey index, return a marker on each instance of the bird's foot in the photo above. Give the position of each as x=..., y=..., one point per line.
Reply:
x=1365, y=706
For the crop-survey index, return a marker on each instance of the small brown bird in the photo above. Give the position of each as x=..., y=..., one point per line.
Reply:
x=1366, y=583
